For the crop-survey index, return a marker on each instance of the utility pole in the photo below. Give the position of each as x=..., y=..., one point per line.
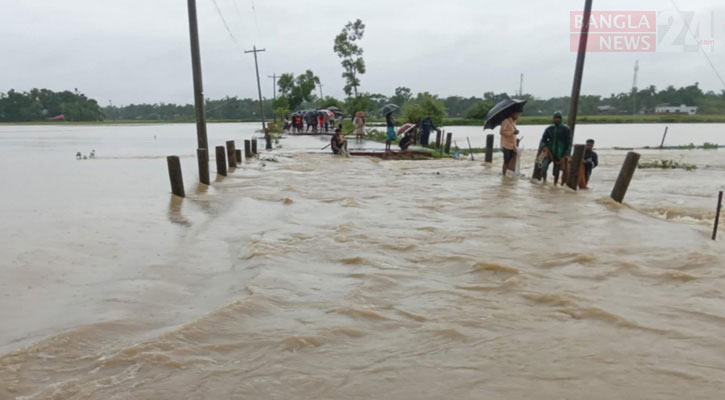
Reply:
x=274, y=92
x=578, y=153
x=579, y=71
x=259, y=86
x=202, y=144
x=521, y=86
x=321, y=96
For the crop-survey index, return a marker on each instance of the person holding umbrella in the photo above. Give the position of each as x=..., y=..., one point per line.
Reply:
x=388, y=111
x=509, y=144
x=505, y=113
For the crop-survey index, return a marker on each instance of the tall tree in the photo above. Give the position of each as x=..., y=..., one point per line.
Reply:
x=297, y=90
x=402, y=96
x=351, y=54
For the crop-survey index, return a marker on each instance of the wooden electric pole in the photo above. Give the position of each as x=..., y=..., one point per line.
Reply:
x=259, y=86
x=198, y=93
x=573, y=177
x=579, y=71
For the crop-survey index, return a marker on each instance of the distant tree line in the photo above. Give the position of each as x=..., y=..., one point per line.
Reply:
x=227, y=108
x=297, y=93
x=44, y=104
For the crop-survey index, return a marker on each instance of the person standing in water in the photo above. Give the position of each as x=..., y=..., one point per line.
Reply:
x=391, y=135
x=508, y=141
x=359, y=123
x=427, y=125
x=556, y=147
x=591, y=160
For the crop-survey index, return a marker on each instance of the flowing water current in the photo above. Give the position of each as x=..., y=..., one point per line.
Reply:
x=307, y=276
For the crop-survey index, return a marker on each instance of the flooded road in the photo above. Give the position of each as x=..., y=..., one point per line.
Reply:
x=307, y=276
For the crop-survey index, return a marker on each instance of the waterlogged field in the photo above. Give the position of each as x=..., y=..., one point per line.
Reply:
x=307, y=276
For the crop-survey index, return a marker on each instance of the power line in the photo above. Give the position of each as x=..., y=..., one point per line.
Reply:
x=236, y=8
x=256, y=22
x=699, y=45
x=224, y=21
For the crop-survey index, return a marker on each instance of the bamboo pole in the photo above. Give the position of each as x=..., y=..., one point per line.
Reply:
x=662, y=144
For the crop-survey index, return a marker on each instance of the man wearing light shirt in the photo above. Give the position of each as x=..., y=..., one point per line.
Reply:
x=508, y=141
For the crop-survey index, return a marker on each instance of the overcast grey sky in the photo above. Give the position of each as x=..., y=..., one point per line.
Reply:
x=138, y=50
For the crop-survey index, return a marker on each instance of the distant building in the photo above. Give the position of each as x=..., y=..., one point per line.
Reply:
x=681, y=109
x=606, y=109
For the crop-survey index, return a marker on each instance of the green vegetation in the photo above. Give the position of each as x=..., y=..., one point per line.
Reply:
x=425, y=104
x=44, y=104
x=351, y=54
x=297, y=90
x=710, y=146
x=667, y=164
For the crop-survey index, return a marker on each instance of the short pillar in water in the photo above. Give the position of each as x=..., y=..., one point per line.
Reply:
x=577, y=159
x=248, y=148
x=221, y=161
x=489, y=148
x=231, y=154
x=238, y=154
x=202, y=156
x=254, y=146
x=177, y=181
x=439, y=135
x=625, y=176
x=449, y=138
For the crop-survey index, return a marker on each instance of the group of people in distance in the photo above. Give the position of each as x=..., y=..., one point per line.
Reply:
x=316, y=122
x=554, y=148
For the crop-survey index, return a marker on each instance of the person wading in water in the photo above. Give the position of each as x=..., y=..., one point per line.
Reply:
x=555, y=147
x=508, y=141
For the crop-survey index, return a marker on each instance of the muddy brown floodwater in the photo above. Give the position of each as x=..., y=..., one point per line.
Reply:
x=307, y=276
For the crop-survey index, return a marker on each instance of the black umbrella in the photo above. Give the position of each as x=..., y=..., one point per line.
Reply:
x=389, y=108
x=501, y=111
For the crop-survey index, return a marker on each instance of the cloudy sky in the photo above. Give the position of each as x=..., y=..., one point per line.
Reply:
x=131, y=51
